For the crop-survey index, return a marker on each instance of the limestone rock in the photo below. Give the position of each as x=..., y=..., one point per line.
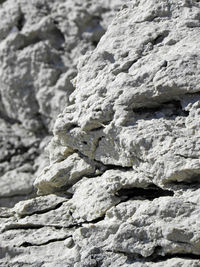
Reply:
x=135, y=98
x=40, y=43
x=124, y=159
x=38, y=204
x=43, y=45
x=64, y=173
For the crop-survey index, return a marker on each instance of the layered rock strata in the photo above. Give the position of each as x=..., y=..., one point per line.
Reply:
x=122, y=188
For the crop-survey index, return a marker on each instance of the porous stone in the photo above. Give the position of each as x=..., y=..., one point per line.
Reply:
x=40, y=43
x=136, y=98
x=124, y=159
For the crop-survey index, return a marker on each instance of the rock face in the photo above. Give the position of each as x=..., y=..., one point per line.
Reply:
x=40, y=43
x=122, y=187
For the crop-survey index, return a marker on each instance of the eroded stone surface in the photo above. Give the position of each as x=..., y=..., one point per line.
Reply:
x=125, y=152
x=40, y=43
x=136, y=98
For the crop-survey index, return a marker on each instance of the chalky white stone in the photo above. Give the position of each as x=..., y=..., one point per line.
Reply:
x=122, y=187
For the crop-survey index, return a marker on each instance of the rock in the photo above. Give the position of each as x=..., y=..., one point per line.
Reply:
x=64, y=173
x=41, y=38
x=137, y=115
x=40, y=43
x=123, y=179
x=10, y=187
x=38, y=205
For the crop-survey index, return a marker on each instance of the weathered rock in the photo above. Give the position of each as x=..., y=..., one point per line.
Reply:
x=125, y=152
x=64, y=173
x=38, y=205
x=131, y=113
x=40, y=43
x=9, y=187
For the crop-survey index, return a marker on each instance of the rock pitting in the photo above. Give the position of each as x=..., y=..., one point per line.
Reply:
x=40, y=43
x=122, y=187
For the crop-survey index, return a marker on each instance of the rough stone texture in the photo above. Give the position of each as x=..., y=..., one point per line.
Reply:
x=40, y=43
x=124, y=165
x=136, y=99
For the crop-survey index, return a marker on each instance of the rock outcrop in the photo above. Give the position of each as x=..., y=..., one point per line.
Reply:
x=40, y=43
x=122, y=187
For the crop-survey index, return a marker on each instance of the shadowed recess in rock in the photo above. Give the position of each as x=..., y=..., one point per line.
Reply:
x=149, y=193
x=21, y=22
x=27, y=244
x=156, y=258
x=170, y=110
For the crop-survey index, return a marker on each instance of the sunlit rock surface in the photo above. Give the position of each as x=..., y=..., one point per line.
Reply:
x=40, y=44
x=122, y=187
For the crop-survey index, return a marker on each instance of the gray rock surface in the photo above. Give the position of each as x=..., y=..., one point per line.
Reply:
x=122, y=187
x=40, y=43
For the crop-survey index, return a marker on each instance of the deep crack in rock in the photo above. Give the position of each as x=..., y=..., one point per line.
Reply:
x=144, y=193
